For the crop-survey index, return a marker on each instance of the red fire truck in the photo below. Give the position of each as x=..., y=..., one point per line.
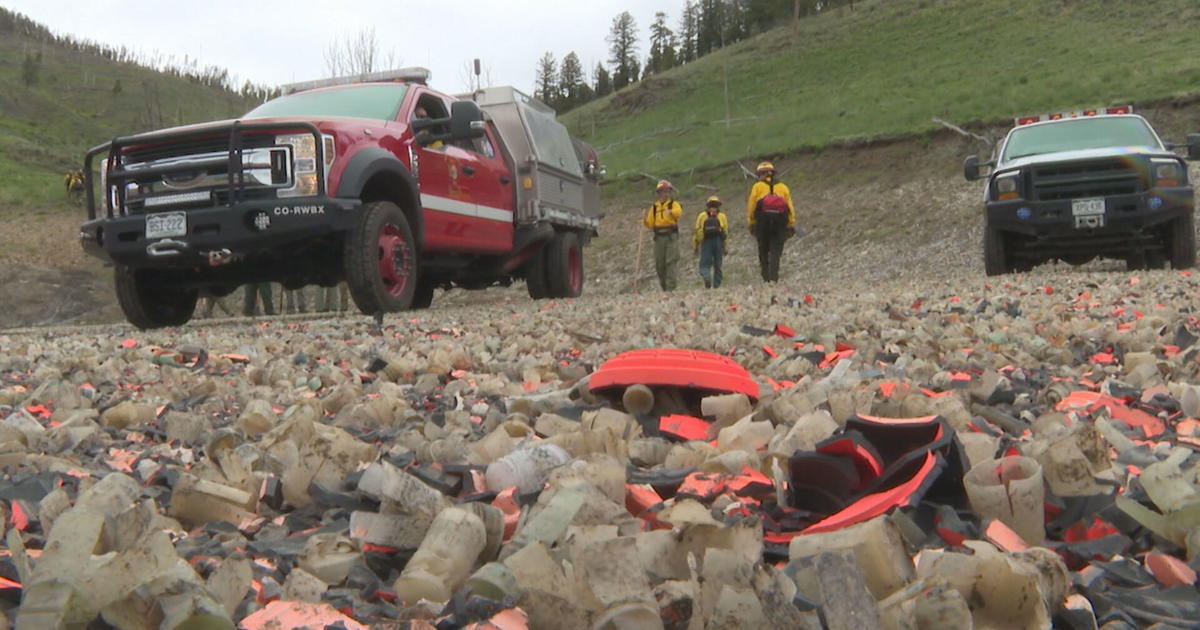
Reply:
x=378, y=181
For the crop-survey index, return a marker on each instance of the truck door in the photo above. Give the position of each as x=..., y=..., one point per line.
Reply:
x=446, y=198
x=492, y=187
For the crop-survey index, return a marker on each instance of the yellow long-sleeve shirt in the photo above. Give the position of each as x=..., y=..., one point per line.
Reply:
x=663, y=214
x=698, y=234
x=761, y=189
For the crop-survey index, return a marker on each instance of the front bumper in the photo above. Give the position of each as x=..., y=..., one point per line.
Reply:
x=1124, y=215
x=219, y=234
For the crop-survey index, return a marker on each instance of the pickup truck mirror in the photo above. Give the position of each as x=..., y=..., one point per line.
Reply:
x=466, y=120
x=971, y=168
x=1193, y=146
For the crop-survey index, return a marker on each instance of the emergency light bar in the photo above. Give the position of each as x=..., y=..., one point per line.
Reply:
x=401, y=75
x=1108, y=111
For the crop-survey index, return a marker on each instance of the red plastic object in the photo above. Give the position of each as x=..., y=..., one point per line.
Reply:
x=686, y=428
x=784, y=331
x=1169, y=570
x=691, y=369
x=873, y=505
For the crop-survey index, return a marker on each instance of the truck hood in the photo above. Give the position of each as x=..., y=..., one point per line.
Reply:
x=322, y=123
x=1085, y=154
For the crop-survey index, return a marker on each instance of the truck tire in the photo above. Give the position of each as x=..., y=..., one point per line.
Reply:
x=381, y=260
x=564, y=266
x=147, y=305
x=535, y=273
x=995, y=256
x=1181, y=242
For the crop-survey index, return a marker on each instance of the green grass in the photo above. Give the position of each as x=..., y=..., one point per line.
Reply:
x=46, y=127
x=887, y=68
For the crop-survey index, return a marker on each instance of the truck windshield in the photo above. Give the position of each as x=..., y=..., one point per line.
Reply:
x=1082, y=133
x=377, y=102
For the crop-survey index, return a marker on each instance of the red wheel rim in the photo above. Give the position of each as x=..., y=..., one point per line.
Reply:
x=575, y=269
x=395, y=260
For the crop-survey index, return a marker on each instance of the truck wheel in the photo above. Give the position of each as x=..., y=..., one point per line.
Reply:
x=381, y=260
x=1181, y=242
x=535, y=273
x=995, y=258
x=149, y=305
x=564, y=266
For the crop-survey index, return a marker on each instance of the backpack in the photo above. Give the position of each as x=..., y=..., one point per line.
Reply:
x=712, y=226
x=772, y=203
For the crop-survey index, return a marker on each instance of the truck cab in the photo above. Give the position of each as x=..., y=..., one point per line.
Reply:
x=1084, y=185
x=379, y=181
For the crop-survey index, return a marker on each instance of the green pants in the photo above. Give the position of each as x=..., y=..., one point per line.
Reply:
x=253, y=291
x=328, y=298
x=712, y=250
x=666, y=259
x=771, y=234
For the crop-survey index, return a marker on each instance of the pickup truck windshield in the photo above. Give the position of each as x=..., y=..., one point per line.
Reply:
x=377, y=102
x=1082, y=133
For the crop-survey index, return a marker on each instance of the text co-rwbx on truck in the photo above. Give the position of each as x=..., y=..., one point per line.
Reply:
x=379, y=181
x=1083, y=185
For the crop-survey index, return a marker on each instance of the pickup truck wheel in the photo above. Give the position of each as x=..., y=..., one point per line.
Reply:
x=1181, y=242
x=535, y=273
x=381, y=260
x=995, y=256
x=147, y=305
x=564, y=266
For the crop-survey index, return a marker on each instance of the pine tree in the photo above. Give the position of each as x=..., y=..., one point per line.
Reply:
x=688, y=28
x=546, y=88
x=662, y=45
x=603, y=81
x=29, y=70
x=622, y=45
x=710, y=22
x=570, y=82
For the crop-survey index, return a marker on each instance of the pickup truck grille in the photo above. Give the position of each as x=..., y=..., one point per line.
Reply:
x=192, y=146
x=1079, y=180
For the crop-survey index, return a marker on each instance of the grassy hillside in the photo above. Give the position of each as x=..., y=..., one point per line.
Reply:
x=889, y=66
x=78, y=99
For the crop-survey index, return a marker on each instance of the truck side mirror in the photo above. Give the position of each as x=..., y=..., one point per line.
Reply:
x=466, y=120
x=1193, y=146
x=971, y=168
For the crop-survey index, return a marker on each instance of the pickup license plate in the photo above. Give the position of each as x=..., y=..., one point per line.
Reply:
x=166, y=224
x=1086, y=207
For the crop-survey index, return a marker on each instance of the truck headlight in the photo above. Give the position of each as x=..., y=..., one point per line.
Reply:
x=1167, y=173
x=1006, y=187
x=304, y=162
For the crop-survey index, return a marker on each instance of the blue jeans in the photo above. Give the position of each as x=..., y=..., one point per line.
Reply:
x=712, y=250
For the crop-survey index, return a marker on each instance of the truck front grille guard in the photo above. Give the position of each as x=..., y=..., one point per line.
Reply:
x=236, y=175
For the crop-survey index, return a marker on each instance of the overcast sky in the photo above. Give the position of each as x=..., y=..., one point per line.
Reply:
x=275, y=42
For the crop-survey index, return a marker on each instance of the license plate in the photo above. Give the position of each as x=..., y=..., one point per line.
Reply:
x=1084, y=207
x=166, y=224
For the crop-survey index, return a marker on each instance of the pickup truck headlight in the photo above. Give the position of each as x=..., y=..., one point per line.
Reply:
x=1006, y=187
x=1167, y=173
x=304, y=161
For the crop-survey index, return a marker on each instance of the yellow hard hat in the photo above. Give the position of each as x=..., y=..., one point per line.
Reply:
x=713, y=201
x=766, y=166
x=663, y=185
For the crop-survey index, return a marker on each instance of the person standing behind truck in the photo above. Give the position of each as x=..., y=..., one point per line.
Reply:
x=772, y=217
x=663, y=218
x=254, y=290
x=708, y=240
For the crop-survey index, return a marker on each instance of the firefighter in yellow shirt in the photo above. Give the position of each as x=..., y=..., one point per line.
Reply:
x=663, y=218
x=772, y=218
x=708, y=240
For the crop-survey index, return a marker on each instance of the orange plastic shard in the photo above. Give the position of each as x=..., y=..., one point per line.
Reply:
x=506, y=502
x=672, y=367
x=1151, y=426
x=681, y=427
x=1169, y=570
x=279, y=615
x=511, y=619
x=1004, y=537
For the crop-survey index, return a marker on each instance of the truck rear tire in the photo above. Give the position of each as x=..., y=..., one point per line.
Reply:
x=423, y=296
x=535, y=273
x=150, y=305
x=995, y=255
x=1181, y=242
x=564, y=266
x=381, y=260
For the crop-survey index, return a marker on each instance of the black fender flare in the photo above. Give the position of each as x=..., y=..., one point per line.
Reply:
x=370, y=162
